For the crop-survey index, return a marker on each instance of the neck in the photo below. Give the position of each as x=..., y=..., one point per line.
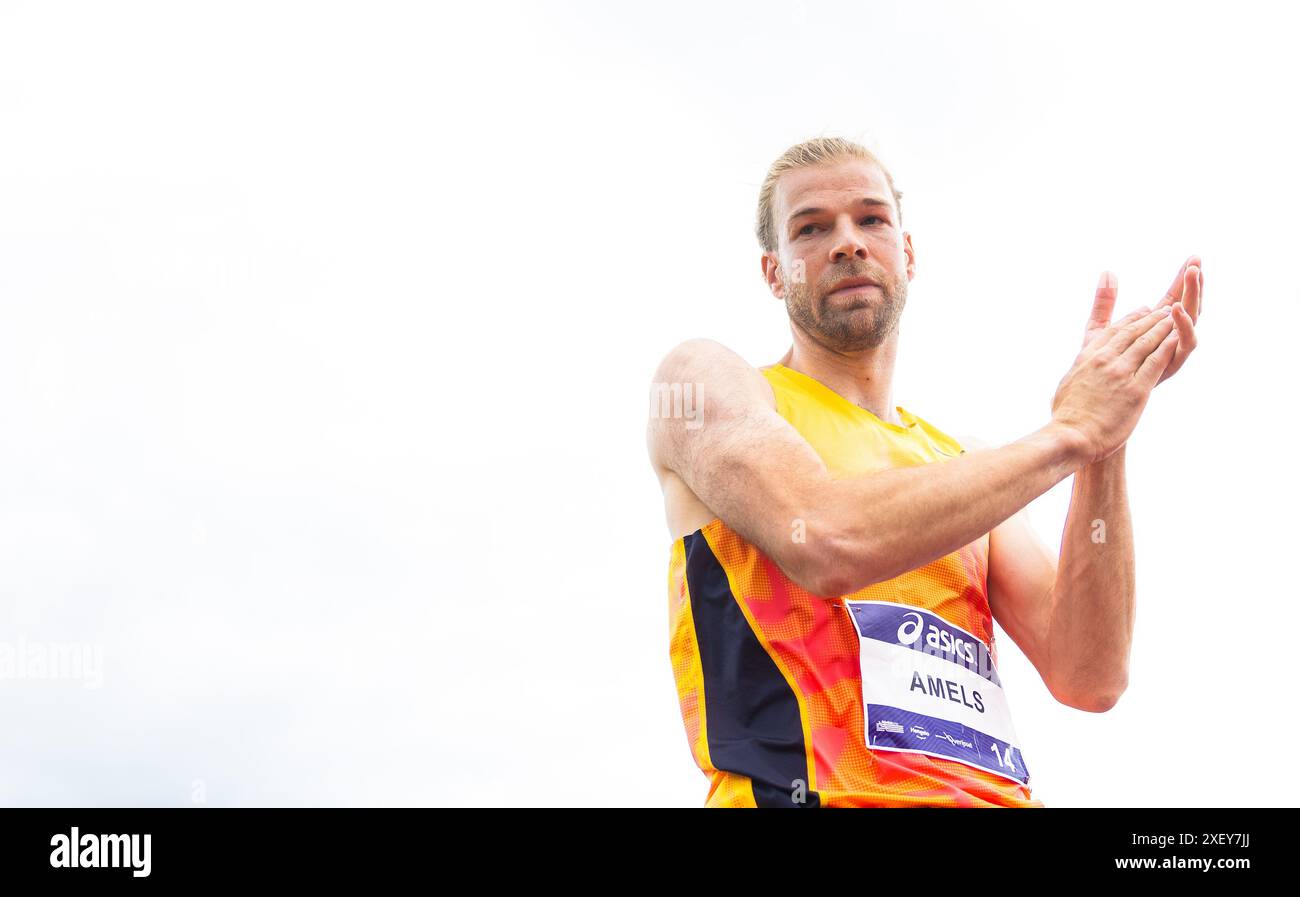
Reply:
x=864, y=377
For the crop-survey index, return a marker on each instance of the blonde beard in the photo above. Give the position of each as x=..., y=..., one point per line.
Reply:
x=848, y=330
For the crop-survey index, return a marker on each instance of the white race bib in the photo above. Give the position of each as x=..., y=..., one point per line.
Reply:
x=930, y=687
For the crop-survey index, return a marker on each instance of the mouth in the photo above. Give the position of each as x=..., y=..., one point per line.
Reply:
x=854, y=286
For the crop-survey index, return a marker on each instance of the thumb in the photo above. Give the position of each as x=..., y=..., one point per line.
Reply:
x=1103, y=304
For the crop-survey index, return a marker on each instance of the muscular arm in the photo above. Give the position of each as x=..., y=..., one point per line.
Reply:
x=1072, y=617
x=754, y=471
x=1093, y=595
x=749, y=467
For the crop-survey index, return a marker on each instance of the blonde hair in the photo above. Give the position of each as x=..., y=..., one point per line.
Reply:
x=819, y=151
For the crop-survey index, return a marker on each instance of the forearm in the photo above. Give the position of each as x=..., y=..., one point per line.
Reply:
x=1093, y=598
x=888, y=522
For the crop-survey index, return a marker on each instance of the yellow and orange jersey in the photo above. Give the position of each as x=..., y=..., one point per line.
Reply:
x=768, y=675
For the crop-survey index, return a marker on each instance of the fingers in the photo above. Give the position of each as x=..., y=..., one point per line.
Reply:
x=1124, y=337
x=1175, y=291
x=1151, y=369
x=1149, y=341
x=1133, y=316
x=1191, y=300
x=1127, y=319
x=1104, y=302
x=1186, y=329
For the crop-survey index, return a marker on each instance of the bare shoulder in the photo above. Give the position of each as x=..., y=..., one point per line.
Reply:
x=705, y=361
x=700, y=381
x=705, y=401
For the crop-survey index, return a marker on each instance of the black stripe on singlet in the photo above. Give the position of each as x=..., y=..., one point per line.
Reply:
x=751, y=714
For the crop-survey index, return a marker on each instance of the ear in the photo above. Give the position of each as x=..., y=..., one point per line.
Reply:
x=773, y=275
x=911, y=255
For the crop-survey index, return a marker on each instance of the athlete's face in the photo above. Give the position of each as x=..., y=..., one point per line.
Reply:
x=836, y=222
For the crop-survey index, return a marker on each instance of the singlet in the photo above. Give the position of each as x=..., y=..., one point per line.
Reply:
x=768, y=675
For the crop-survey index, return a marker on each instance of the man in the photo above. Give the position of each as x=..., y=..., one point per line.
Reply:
x=838, y=561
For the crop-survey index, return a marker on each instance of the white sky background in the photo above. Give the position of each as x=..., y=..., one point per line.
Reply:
x=326, y=332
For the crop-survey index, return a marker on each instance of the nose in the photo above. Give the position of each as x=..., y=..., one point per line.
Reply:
x=848, y=242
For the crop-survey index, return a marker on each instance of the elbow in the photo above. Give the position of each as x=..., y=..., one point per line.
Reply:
x=815, y=576
x=833, y=566
x=829, y=584
x=1099, y=703
x=1094, y=700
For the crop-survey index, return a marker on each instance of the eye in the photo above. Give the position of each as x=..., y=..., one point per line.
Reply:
x=803, y=231
x=873, y=218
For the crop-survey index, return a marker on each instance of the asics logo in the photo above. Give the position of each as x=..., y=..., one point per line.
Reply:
x=910, y=630
x=938, y=641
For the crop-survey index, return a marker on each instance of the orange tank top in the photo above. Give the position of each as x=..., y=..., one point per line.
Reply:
x=768, y=674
